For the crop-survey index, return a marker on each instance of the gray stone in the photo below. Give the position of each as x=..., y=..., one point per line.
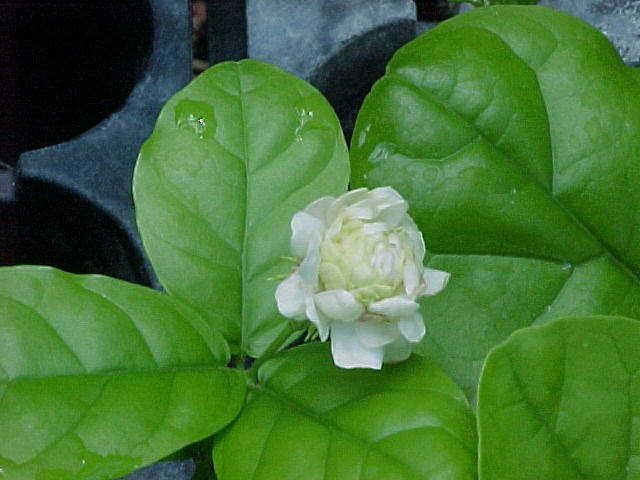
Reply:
x=298, y=36
x=182, y=470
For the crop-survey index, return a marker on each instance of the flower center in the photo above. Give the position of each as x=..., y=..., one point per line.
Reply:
x=367, y=259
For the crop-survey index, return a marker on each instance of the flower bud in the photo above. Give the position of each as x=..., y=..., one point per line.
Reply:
x=359, y=276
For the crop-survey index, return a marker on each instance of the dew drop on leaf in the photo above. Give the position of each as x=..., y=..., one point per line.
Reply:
x=195, y=117
x=381, y=152
x=363, y=135
x=304, y=117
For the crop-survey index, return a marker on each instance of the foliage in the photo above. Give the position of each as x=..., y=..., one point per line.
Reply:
x=519, y=161
x=486, y=3
x=514, y=134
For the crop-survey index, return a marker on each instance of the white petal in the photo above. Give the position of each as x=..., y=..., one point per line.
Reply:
x=397, y=351
x=306, y=233
x=374, y=227
x=310, y=267
x=411, y=279
x=383, y=258
x=319, y=208
x=290, y=297
x=348, y=352
x=435, y=280
x=321, y=321
x=338, y=305
x=385, y=196
x=353, y=196
x=394, y=307
x=344, y=201
x=392, y=213
x=412, y=327
x=376, y=333
x=417, y=241
x=361, y=213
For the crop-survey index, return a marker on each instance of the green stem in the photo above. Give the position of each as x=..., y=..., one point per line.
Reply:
x=279, y=342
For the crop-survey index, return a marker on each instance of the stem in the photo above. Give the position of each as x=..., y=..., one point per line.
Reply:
x=274, y=347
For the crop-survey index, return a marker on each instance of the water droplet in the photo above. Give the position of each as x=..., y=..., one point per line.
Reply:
x=195, y=117
x=381, y=152
x=363, y=135
x=566, y=266
x=304, y=117
x=514, y=190
x=547, y=309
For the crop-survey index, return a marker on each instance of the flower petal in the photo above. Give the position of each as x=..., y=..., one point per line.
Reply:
x=360, y=213
x=290, y=297
x=319, y=208
x=321, y=321
x=374, y=227
x=412, y=327
x=392, y=213
x=348, y=352
x=343, y=201
x=376, y=333
x=338, y=305
x=306, y=233
x=310, y=267
x=417, y=241
x=397, y=351
x=385, y=196
x=411, y=279
x=394, y=307
x=435, y=280
x=353, y=196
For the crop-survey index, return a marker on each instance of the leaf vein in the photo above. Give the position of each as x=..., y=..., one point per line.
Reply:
x=329, y=424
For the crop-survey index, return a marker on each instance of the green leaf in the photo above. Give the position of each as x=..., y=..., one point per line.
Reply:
x=514, y=134
x=486, y=3
x=309, y=419
x=99, y=377
x=562, y=401
x=233, y=156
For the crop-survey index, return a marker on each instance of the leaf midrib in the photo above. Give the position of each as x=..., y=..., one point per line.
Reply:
x=116, y=372
x=606, y=251
x=371, y=446
x=549, y=428
x=74, y=354
x=245, y=236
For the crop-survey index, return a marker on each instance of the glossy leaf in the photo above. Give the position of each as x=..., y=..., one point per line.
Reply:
x=233, y=156
x=562, y=401
x=99, y=377
x=514, y=134
x=486, y=3
x=309, y=419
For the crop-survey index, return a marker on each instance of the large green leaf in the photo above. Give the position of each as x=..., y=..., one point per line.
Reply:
x=233, y=156
x=99, y=377
x=562, y=401
x=484, y=3
x=514, y=133
x=309, y=419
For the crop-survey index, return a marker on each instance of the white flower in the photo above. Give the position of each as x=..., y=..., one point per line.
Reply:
x=359, y=276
